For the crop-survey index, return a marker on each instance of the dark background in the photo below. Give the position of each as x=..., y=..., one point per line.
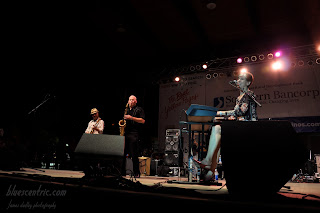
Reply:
x=87, y=54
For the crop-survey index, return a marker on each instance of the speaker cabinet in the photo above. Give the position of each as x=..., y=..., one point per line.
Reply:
x=259, y=157
x=172, y=144
x=99, y=154
x=101, y=145
x=172, y=154
x=171, y=159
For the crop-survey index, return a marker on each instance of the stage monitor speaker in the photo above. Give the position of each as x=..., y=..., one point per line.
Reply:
x=101, y=145
x=259, y=157
x=100, y=154
x=171, y=159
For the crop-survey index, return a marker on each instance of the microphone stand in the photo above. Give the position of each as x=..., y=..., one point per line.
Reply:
x=251, y=96
x=44, y=101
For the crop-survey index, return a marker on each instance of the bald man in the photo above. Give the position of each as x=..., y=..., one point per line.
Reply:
x=134, y=119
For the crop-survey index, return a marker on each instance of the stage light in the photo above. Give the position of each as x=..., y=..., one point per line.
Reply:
x=277, y=54
x=243, y=70
x=300, y=63
x=253, y=58
x=208, y=76
x=177, y=79
x=204, y=66
x=261, y=57
x=278, y=65
x=239, y=60
x=246, y=59
x=270, y=56
x=318, y=60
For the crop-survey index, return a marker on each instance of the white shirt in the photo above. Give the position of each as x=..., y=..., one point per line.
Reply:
x=99, y=123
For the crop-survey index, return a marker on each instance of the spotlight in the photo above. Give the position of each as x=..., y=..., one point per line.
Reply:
x=215, y=75
x=301, y=63
x=278, y=65
x=211, y=5
x=208, y=76
x=318, y=60
x=244, y=70
x=177, y=79
x=204, y=66
x=253, y=58
x=261, y=57
x=277, y=54
x=246, y=59
x=192, y=68
x=270, y=56
x=239, y=60
x=310, y=63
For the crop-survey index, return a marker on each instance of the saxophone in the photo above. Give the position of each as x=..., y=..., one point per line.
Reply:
x=122, y=123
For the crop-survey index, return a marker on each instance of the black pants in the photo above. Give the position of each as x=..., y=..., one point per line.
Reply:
x=132, y=148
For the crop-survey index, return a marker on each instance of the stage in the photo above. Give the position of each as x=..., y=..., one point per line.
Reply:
x=45, y=189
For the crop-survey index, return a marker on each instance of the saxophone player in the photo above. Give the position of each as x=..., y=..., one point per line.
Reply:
x=135, y=117
x=96, y=125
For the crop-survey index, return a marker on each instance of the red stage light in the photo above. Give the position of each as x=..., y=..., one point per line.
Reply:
x=239, y=60
x=177, y=79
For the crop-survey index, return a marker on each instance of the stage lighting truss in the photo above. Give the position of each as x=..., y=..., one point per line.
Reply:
x=298, y=56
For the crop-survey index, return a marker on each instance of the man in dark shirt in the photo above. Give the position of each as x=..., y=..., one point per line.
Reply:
x=134, y=119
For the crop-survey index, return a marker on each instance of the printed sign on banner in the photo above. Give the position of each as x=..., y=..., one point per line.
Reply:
x=294, y=93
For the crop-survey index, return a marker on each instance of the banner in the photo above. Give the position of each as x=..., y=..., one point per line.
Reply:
x=294, y=93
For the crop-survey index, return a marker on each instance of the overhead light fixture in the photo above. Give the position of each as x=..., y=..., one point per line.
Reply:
x=243, y=70
x=204, y=66
x=261, y=57
x=211, y=5
x=278, y=65
x=277, y=54
x=253, y=58
x=300, y=63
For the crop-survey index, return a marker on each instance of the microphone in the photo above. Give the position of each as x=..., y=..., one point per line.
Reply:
x=233, y=82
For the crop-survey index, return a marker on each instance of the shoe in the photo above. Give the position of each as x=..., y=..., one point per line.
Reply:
x=137, y=175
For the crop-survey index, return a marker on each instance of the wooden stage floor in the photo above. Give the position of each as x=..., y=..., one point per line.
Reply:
x=149, y=189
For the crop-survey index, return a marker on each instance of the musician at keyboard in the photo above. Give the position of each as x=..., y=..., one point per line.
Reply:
x=244, y=110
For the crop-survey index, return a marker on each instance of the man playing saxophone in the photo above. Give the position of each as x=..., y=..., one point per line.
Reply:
x=135, y=117
x=96, y=125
